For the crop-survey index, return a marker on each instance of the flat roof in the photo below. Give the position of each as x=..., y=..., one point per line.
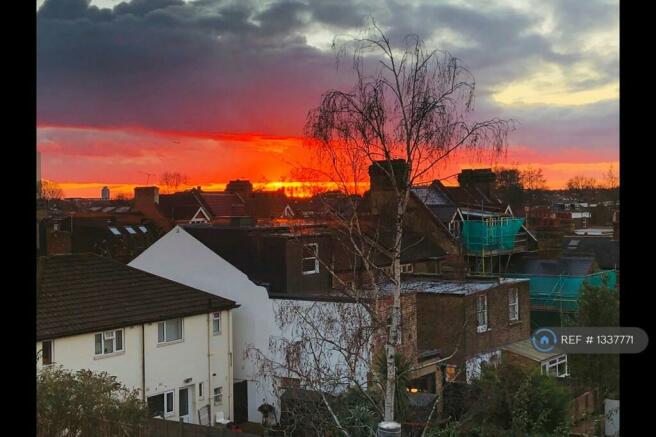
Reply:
x=525, y=348
x=437, y=286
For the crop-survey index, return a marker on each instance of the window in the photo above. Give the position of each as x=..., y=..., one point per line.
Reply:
x=481, y=313
x=216, y=323
x=47, y=349
x=201, y=390
x=310, y=258
x=513, y=304
x=130, y=230
x=169, y=330
x=143, y=229
x=109, y=342
x=406, y=268
x=114, y=230
x=556, y=367
x=218, y=395
x=161, y=404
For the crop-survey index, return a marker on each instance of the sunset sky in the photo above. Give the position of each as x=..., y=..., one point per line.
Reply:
x=220, y=89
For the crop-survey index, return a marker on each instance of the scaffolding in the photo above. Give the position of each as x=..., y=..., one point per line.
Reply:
x=490, y=237
x=560, y=293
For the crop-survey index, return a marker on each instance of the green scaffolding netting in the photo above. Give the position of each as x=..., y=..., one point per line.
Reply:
x=488, y=235
x=562, y=292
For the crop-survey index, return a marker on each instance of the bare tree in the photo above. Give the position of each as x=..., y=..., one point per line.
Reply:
x=411, y=106
x=533, y=179
x=581, y=183
x=50, y=190
x=171, y=181
x=611, y=179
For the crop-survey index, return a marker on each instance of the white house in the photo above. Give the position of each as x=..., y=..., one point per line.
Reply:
x=181, y=257
x=170, y=341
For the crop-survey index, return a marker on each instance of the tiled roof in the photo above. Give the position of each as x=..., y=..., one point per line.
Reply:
x=179, y=206
x=223, y=204
x=84, y=293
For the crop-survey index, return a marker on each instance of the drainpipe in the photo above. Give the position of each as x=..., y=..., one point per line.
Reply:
x=143, y=362
x=210, y=389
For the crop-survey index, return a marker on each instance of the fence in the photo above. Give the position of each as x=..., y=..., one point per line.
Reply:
x=153, y=428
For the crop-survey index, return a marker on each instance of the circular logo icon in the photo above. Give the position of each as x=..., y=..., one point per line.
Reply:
x=544, y=340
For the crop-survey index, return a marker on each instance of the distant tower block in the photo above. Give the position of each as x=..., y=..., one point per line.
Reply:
x=105, y=193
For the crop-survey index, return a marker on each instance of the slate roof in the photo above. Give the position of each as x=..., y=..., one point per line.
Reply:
x=566, y=266
x=85, y=293
x=605, y=250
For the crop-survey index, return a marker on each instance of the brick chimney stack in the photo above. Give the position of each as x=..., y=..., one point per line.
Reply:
x=483, y=179
x=146, y=197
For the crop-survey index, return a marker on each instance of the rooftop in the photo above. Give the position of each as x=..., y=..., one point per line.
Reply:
x=84, y=293
x=525, y=348
x=436, y=286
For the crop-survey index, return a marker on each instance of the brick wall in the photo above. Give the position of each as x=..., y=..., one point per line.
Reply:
x=58, y=242
x=448, y=322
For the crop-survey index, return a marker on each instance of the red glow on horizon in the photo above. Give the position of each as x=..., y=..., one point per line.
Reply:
x=78, y=157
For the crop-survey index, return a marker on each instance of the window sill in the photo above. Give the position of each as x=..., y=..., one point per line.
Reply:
x=310, y=273
x=483, y=331
x=514, y=322
x=168, y=343
x=113, y=354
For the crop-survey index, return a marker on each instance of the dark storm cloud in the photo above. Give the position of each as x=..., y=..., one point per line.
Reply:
x=243, y=66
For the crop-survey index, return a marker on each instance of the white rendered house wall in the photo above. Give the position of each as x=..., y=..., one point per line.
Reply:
x=178, y=256
x=168, y=366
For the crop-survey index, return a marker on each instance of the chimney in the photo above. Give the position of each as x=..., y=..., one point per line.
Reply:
x=146, y=197
x=380, y=172
x=483, y=179
x=239, y=186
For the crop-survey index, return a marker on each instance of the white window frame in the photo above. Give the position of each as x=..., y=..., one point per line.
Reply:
x=216, y=317
x=553, y=363
x=407, y=268
x=218, y=396
x=165, y=341
x=315, y=258
x=166, y=412
x=481, y=309
x=201, y=390
x=52, y=352
x=104, y=337
x=513, y=304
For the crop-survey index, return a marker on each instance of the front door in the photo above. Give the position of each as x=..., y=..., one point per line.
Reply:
x=185, y=404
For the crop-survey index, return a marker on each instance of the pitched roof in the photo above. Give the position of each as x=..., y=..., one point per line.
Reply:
x=566, y=266
x=605, y=250
x=223, y=204
x=84, y=293
x=179, y=206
